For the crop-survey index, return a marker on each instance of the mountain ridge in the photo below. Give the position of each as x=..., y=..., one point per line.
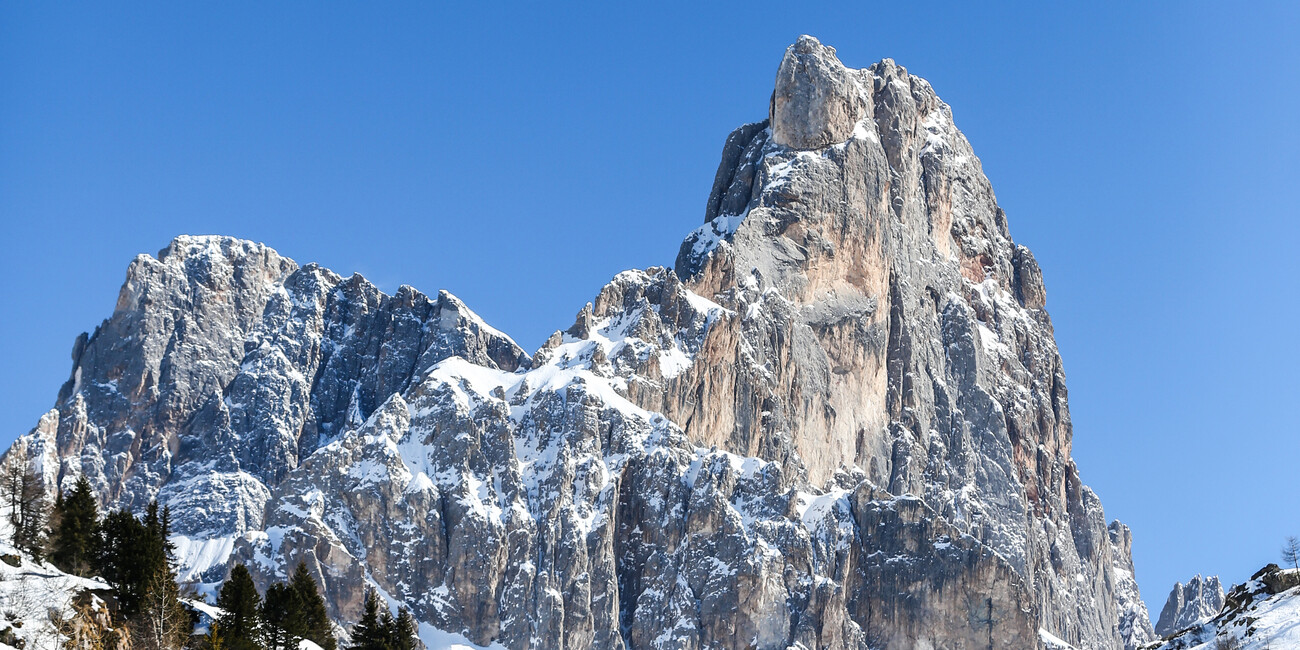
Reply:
x=839, y=420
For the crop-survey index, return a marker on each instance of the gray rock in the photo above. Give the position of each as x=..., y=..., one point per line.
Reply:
x=1191, y=603
x=840, y=421
x=1134, y=620
x=817, y=101
x=224, y=364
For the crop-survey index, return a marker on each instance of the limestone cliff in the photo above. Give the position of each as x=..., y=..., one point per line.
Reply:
x=839, y=421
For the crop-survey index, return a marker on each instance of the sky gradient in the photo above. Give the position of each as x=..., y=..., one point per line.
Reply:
x=521, y=156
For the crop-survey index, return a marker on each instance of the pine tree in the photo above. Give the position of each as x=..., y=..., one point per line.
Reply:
x=215, y=638
x=296, y=611
x=241, y=625
x=169, y=547
x=123, y=559
x=280, y=617
x=157, y=548
x=77, y=516
x=130, y=553
x=34, y=512
x=368, y=633
x=405, y=632
x=386, y=625
x=315, y=618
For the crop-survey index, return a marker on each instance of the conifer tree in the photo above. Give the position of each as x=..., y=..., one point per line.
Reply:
x=130, y=553
x=279, y=618
x=368, y=633
x=123, y=559
x=386, y=626
x=157, y=549
x=241, y=624
x=215, y=638
x=405, y=632
x=315, y=618
x=77, y=516
x=1291, y=552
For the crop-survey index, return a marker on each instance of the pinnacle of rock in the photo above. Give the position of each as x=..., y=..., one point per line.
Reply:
x=817, y=101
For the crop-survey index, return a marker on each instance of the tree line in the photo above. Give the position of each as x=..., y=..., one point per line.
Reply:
x=293, y=611
x=135, y=556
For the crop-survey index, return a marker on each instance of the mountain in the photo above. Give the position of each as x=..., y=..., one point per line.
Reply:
x=1134, y=620
x=1259, y=614
x=839, y=421
x=1188, y=604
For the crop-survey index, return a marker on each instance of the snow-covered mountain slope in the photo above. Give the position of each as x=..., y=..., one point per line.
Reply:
x=41, y=606
x=840, y=421
x=1261, y=614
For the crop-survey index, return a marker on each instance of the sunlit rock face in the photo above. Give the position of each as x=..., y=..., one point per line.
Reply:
x=1189, y=604
x=839, y=421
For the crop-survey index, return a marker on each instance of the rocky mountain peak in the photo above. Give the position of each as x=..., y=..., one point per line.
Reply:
x=1134, y=621
x=1199, y=599
x=840, y=421
x=817, y=100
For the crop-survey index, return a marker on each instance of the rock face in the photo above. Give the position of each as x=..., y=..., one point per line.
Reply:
x=817, y=101
x=224, y=365
x=839, y=421
x=1191, y=603
x=1134, y=620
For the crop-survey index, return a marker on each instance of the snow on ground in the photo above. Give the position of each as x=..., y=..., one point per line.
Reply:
x=194, y=556
x=1258, y=621
x=33, y=595
x=435, y=639
x=1052, y=642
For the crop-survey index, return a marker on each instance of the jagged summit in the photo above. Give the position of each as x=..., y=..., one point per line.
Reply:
x=840, y=421
x=817, y=101
x=1189, y=604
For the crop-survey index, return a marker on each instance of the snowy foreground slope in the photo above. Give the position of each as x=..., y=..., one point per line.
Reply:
x=38, y=602
x=1263, y=613
x=839, y=421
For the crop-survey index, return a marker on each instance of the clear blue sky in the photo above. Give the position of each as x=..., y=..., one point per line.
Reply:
x=521, y=156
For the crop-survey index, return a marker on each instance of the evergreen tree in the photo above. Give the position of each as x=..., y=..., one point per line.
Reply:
x=73, y=540
x=405, y=632
x=369, y=633
x=241, y=625
x=123, y=559
x=386, y=624
x=169, y=547
x=279, y=618
x=158, y=550
x=315, y=618
x=130, y=553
